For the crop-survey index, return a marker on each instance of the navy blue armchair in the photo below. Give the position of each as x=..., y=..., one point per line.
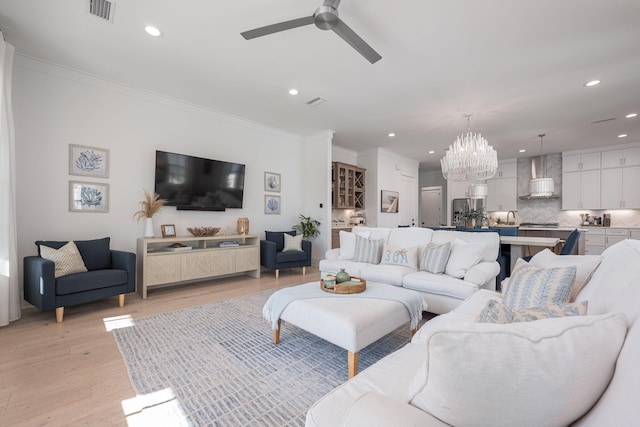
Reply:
x=110, y=273
x=272, y=257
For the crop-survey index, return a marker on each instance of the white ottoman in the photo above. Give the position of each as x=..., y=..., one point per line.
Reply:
x=351, y=323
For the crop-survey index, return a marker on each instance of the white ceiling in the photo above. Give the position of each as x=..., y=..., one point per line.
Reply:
x=518, y=66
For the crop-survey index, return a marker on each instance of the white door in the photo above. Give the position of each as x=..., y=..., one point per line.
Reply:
x=408, y=208
x=431, y=206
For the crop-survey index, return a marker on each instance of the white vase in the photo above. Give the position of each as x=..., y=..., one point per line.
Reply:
x=148, y=227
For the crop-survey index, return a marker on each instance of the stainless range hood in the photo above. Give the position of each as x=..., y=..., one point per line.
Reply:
x=540, y=187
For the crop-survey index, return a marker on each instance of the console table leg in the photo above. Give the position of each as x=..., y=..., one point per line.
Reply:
x=353, y=364
x=276, y=334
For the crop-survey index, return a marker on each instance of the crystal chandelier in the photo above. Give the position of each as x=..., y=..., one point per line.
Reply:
x=469, y=158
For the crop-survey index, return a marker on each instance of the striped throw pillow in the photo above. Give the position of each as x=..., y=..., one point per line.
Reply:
x=367, y=250
x=530, y=286
x=434, y=257
x=496, y=312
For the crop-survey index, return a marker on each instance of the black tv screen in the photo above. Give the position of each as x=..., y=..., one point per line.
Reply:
x=195, y=183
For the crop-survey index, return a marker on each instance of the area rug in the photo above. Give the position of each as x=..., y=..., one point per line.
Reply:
x=215, y=364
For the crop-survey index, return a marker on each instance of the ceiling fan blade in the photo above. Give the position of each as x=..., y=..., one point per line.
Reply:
x=274, y=28
x=356, y=42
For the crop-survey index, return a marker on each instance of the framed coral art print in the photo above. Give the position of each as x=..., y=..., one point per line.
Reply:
x=272, y=182
x=88, y=161
x=88, y=197
x=272, y=205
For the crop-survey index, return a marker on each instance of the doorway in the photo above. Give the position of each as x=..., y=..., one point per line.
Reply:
x=431, y=206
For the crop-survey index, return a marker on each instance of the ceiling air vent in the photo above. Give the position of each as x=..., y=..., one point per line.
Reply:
x=102, y=9
x=315, y=101
x=602, y=121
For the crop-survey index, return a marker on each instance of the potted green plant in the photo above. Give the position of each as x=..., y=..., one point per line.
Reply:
x=308, y=227
x=473, y=217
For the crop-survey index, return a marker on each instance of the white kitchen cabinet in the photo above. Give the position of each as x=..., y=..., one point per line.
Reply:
x=623, y=157
x=580, y=162
x=458, y=190
x=507, y=169
x=581, y=190
x=634, y=233
x=502, y=194
x=595, y=241
x=621, y=188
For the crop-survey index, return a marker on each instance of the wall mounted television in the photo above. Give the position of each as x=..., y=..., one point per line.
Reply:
x=195, y=183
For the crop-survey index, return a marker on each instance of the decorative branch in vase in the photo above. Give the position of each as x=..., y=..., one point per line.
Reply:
x=148, y=208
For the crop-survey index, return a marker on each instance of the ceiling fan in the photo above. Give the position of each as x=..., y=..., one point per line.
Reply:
x=325, y=18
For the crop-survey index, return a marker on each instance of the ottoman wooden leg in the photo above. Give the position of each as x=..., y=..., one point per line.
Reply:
x=353, y=364
x=276, y=334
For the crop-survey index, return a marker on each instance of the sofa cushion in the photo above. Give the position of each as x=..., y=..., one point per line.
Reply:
x=278, y=238
x=96, y=279
x=409, y=237
x=530, y=286
x=348, y=243
x=434, y=257
x=384, y=273
x=585, y=266
x=368, y=250
x=490, y=240
x=439, y=284
x=95, y=253
x=67, y=259
x=290, y=256
x=464, y=255
x=496, y=312
x=292, y=243
x=405, y=257
x=521, y=374
x=333, y=266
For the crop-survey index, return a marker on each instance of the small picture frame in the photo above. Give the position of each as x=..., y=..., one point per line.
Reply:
x=168, y=230
x=88, y=161
x=88, y=197
x=389, y=201
x=272, y=182
x=271, y=205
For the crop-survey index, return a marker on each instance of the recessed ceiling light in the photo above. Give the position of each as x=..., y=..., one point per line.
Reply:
x=631, y=115
x=293, y=91
x=592, y=83
x=522, y=151
x=153, y=31
x=622, y=135
x=391, y=135
x=431, y=152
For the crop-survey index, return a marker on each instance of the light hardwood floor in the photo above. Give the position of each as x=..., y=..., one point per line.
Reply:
x=71, y=373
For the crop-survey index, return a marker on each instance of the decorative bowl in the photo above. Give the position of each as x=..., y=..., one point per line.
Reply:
x=203, y=231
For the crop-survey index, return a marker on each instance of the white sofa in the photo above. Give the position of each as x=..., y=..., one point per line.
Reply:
x=442, y=292
x=420, y=384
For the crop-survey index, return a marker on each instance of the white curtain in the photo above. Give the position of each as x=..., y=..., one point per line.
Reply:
x=9, y=284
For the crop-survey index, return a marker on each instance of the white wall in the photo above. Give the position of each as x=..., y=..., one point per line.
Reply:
x=55, y=107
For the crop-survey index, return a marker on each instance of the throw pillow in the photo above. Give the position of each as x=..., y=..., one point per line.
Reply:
x=95, y=253
x=545, y=373
x=292, y=243
x=463, y=256
x=368, y=250
x=434, y=257
x=530, y=286
x=67, y=259
x=585, y=266
x=496, y=312
x=348, y=243
x=406, y=257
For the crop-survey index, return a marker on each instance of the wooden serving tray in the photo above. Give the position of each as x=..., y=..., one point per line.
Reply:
x=354, y=286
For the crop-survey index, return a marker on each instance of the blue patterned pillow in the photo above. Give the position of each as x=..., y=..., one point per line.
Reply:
x=495, y=312
x=530, y=286
x=434, y=257
x=367, y=250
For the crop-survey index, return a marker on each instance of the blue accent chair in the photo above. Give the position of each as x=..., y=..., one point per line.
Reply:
x=110, y=273
x=272, y=257
x=569, y=246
